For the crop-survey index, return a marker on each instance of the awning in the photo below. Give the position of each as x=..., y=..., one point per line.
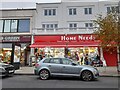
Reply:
x=64, y=44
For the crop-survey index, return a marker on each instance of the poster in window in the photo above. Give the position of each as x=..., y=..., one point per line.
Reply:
x=17, y=54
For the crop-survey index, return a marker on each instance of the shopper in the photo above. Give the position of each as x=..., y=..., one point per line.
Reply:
x=82, y=60
x=76, y=56
x=86, y=59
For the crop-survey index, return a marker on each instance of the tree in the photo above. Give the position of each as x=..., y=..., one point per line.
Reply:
x=108, y=32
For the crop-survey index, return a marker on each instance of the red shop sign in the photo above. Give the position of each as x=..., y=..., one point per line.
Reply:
x=62, y=38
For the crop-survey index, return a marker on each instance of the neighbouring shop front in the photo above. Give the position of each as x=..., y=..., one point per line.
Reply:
x=74, y=46
x=7, y=47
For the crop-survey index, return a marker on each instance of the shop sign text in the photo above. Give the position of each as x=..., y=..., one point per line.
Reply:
x=15, y=38
x=77, y=38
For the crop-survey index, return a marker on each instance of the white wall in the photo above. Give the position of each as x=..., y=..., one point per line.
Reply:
x=62, y=17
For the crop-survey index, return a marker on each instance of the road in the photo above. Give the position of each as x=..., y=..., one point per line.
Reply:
x=32, y=81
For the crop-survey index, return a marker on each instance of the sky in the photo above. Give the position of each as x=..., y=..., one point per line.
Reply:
x=13, y=4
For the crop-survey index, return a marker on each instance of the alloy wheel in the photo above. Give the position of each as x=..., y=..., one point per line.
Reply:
x=87, y=76
x=44, y=75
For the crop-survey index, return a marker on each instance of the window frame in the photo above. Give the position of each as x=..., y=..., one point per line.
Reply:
x=88, y=25
x=17, y=26
x=49, y=12
x=72, y=11
x=112, y=9
x=11, y=26
x=72, y=25
x=48, y=26
x=2, y=26
x=88, y=11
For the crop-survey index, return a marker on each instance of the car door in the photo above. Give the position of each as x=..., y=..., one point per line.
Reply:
x=68, y=68
x=55, y=65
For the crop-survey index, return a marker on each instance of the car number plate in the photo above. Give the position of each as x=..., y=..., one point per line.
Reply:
x=11, y=71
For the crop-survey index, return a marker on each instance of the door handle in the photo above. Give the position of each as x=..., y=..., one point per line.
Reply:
x=49, y=65
x=63, y=66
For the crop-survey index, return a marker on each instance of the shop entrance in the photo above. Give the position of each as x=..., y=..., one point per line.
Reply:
x=6, y=52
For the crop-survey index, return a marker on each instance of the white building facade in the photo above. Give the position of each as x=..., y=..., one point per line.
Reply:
x=71, y=22
x=68, y=15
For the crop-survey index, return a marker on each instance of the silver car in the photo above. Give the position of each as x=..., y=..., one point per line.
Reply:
x=48, y=67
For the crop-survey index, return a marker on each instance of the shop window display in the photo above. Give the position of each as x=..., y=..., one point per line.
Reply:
x=77, y=54
x=5, y=54
x=51, y=52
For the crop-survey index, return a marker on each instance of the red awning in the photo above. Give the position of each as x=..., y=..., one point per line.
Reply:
x=64, y=44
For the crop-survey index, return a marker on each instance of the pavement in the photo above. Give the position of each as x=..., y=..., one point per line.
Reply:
x=103, y=71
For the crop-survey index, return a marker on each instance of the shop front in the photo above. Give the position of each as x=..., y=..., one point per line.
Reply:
x=6, y=43
x=76, y=46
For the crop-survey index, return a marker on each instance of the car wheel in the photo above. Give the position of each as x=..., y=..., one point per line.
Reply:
x=87, y=76
x=44, y=74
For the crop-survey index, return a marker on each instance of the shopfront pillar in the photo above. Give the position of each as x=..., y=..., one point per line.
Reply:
x=102, y=57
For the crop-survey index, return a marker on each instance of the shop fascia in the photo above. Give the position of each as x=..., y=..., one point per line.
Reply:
x=10, y=38
x=15, y=38
x=77, y=38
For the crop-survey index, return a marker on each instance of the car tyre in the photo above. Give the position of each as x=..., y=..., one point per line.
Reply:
x=44, y=74
x=87, y=75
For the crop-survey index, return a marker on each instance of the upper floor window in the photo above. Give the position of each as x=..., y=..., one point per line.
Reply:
x=49, y=26
x=73, y=25
x=12, y=25
x=1, y=25
x=72, y=11
x=88, y=25
x=112, y=9
x=7, y=26
x=50, y=12
x=24, y=25
x=88, y=10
